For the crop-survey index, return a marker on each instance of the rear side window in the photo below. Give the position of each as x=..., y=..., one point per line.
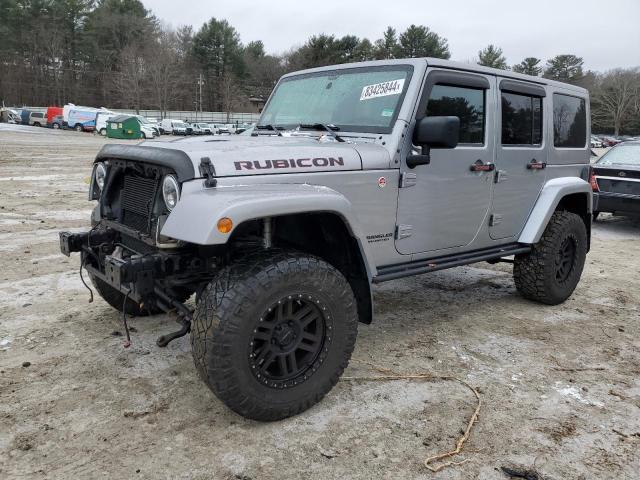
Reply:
x=521, y=119
x=37, y=115
x=465, y=103
x=569, y=121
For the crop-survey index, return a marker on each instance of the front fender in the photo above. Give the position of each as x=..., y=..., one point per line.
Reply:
x=552, y=193
x=195, y=217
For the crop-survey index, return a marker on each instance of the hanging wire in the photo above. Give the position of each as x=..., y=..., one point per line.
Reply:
x=127, y=344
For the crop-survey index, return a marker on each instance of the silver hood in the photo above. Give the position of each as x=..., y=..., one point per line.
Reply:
x=246, y=155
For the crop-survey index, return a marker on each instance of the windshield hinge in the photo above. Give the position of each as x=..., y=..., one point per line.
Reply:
x=408, y=179
x=208, y=170
x=403, y=231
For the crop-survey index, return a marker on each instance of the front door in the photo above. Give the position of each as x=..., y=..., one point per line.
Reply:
x=444, y=204
x=521, y=157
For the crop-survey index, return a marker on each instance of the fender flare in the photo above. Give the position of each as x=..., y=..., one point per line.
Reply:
x=550, y=196
x=195, y=216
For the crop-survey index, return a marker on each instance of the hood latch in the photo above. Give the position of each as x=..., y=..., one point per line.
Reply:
x=208, y=170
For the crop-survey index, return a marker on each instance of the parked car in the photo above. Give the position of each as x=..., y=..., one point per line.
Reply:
x=57, y=122
x=204, y=128
x=220, y=129
x=609, y=141
x=146, y=123
x=53, y=112
x=195, y=128
x=37, y=119
x=282, y=239
x=596, y=142
x=615, y=180
x=81, y=119
x=24, y=116
x=243, y=127
x=101, y=121
x=8, y=115
x=175, y=127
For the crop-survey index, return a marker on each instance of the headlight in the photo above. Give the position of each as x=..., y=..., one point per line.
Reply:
x=101, y=175
x=170, y=191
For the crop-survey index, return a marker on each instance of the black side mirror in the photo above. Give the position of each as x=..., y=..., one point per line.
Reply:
x=433, y=132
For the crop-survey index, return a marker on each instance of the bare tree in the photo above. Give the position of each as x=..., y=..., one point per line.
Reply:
x=165, y=70
x=230, y=96
x=131, y=79
x=616, y=97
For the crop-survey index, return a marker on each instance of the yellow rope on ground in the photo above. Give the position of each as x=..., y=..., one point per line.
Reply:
x=389, y=375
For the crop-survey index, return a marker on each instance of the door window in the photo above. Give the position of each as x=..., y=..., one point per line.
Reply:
x=521, y=119
x=468, y=104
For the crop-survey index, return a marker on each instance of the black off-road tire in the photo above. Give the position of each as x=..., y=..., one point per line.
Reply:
x=232, y=313
x=550, y=272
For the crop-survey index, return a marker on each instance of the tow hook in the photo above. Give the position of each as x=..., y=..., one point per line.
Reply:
x=164, y=340
x=184, y=317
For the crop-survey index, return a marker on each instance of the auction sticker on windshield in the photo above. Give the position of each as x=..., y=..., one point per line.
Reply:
x=392, y=87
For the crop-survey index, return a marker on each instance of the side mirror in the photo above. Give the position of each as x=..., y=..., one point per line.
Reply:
x=433, y=132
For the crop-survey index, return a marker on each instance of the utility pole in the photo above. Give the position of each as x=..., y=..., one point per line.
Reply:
x=198, y=101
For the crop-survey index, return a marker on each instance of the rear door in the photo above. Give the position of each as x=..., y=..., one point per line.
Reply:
x=443, y=204
x=521, y=156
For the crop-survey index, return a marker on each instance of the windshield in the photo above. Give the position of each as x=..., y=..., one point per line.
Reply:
x=179, y=124
x=621, y=155
x=365, y=99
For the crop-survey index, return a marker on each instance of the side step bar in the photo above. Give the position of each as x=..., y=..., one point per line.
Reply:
x=418, y=267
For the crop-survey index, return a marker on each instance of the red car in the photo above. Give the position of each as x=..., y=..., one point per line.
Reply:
x=609, y=141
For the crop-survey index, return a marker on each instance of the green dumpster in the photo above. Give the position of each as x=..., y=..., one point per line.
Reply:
x=127, y=126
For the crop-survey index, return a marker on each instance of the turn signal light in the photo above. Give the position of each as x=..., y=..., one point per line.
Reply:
x=225, y=225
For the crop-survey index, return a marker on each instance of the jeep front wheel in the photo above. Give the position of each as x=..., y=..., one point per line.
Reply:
x=116, y=299
x=550, y=272
x=272, y=333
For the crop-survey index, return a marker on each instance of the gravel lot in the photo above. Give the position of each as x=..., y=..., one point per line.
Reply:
x=560, y=386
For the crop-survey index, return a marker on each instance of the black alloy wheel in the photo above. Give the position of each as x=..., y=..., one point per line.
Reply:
x=565, y=259
x=289, y=341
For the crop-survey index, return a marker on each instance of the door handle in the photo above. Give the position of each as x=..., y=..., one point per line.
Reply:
x=480, y=166
x=535, y=165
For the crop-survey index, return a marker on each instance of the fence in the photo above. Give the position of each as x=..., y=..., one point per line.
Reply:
x=190, y=116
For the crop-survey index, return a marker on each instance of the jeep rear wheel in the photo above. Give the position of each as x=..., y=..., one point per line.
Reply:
x=550, y=272
x=272, y=333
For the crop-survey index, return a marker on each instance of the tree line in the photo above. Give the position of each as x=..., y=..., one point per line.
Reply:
x=118, y=54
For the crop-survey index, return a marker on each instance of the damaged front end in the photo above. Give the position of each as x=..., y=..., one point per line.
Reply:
x=125, y=249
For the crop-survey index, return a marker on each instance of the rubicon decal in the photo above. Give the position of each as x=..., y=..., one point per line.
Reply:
x=289, y=163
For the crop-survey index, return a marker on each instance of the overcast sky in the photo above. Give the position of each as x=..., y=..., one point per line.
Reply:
x=605, y=33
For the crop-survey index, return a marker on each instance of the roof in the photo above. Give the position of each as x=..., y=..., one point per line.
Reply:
x=438, y=62
x=120, y=118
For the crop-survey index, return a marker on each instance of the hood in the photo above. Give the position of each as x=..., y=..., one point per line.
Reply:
x=247, y=155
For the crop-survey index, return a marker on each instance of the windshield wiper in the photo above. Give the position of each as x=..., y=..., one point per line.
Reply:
x=330, y=129
x=273, y=128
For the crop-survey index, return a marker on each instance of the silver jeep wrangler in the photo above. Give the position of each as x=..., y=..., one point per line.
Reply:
x=355, y=174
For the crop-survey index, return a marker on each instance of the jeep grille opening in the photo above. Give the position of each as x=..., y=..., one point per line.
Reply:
x=138, y=196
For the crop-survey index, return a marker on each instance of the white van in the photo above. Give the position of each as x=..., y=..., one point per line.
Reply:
x=176, y=127
x=81, y=118
x=101, y=121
